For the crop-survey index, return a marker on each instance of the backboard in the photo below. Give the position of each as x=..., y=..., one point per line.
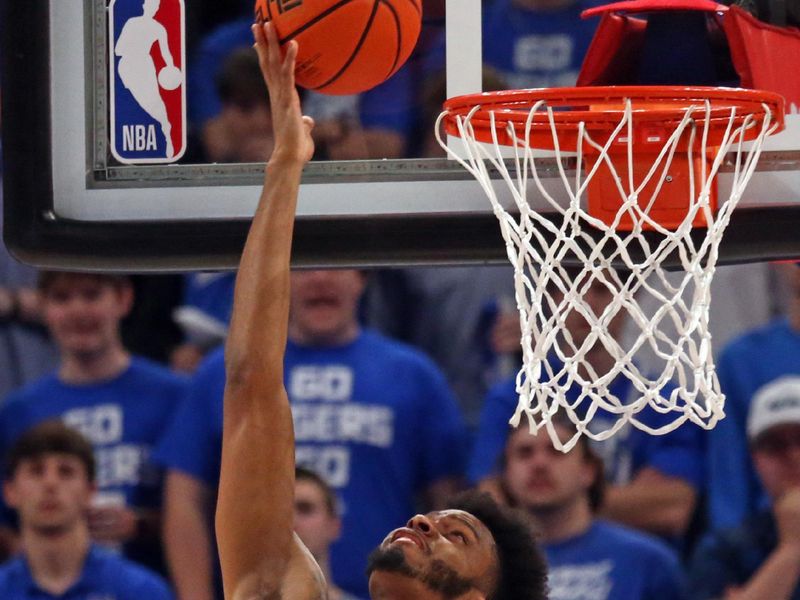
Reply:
x=80, y=192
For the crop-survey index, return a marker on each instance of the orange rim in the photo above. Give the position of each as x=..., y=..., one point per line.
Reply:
x=601, y=108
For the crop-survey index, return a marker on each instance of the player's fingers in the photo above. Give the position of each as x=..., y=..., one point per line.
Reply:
x=273, y=47
x=261, y=47
x=289, y=61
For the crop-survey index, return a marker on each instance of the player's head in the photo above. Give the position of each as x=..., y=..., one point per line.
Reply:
x=150, y=7
x=324, y=306
x=49, y=478
x=316, y=520
x=475, y=550
x=773, y=428
x=83, y=310
x=542, y=480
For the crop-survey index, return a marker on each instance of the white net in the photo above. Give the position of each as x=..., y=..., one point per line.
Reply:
x=577, y=277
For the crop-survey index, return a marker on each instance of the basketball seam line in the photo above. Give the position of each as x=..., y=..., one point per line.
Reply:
x=357, y=49
x=399, y=36
x=313, y=21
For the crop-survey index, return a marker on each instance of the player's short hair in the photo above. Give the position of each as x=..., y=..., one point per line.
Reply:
x=304, y=474
x=522, y=569
x=47, y=279
x=50, y=437
x=240, y=82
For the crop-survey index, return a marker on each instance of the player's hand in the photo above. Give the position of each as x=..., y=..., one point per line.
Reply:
x=112, y=523
x=292, y=130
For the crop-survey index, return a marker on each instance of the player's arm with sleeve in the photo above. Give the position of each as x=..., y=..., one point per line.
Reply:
x=259, y=554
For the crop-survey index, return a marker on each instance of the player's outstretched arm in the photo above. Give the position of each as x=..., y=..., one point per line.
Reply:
x=259, y=554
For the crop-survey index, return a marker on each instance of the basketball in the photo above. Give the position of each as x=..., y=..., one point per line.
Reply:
x=170, y=78
x=345, y=46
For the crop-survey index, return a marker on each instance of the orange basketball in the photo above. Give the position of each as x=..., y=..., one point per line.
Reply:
x=346, y=46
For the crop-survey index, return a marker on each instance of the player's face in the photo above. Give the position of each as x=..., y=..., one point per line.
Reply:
x=83, y=313
x=443, y=554
x=324, y=306
x=541, y=478
x=313, y=523
x=776, y=454
x=51, y=493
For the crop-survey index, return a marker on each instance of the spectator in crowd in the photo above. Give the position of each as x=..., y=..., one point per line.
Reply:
x=149, y=330
x=242, y=125
x=537, y=43
x=746, y=365
x=49, y=482
x=26, y=351
x=653, y=482
x=373, y=124
x=450, y=314
x=203, y=316
x=373, y=417
x=120, y=402
x=587, y=557
x=760, y=558
x=530, y=43
x=317, y=522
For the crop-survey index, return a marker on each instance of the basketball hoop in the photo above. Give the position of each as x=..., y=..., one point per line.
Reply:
x=646, y=161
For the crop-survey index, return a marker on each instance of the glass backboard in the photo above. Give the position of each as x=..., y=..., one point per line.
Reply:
x=380, y=192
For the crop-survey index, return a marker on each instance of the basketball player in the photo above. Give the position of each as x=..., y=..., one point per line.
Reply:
x=136, y=68
x=471, y=554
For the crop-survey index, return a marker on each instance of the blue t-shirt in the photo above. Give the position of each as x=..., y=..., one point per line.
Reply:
x=387, y=106
x=730, y=557
x=374, y=417
x=747, y=363
x=123, y=418
x=536, y=48
x=105, y=576
x=611, y=562
x=676, y=454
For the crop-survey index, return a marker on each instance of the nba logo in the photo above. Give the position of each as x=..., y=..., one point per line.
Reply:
x=148, y=80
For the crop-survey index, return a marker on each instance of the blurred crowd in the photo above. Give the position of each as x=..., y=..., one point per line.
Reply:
x=401, y=382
